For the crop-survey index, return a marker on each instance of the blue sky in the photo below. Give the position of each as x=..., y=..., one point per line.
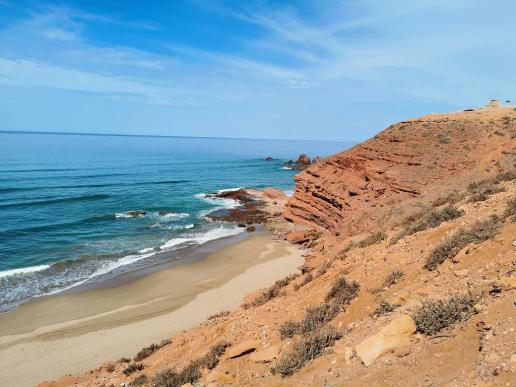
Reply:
x=314, y=69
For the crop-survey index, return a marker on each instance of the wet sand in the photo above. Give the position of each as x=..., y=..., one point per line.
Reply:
x=73, y=332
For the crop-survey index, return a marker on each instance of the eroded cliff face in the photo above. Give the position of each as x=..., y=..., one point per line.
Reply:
x=349, y=192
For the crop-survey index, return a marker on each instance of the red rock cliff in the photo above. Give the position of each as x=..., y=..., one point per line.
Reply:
x=347, y=192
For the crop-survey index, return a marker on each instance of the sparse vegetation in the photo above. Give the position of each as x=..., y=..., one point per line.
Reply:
x=451, y=198
x=222, y=313
x=306, y=350
x=393, y=278
x=477, y=233
x=124, y=360
x=273, y=292
x=339, y=296
x=510, y=210
x=433, y=316
x=132, y=368
x=140, y=380
x=192, y=372
x=370, y=240
x=308, y=278
x=383, y=308
x=147, y=351
x=324, y=268
x=426, y=220
x=289, y=329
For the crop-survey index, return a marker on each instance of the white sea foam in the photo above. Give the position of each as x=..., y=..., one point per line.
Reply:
x=175, y=215
x=172, y=244
x=23, y=270
x=122, y=215
x=289, y=192
x=285, y=167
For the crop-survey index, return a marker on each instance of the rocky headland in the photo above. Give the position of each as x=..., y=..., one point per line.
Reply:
x=408, y=280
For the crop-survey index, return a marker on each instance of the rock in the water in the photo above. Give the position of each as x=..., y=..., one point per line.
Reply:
x=396, y=334
x=268, y=158
x=242, y=348
x=265, y=355
x=136, y=213
x=250, y=228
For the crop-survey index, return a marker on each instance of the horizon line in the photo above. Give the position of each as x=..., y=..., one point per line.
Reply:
x=161, y=136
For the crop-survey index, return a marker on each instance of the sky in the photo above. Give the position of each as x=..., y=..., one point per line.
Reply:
x=308, y=69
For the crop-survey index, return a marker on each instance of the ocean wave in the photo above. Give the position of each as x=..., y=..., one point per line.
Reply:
x=23, y=270
x=284, y=167
x=172, y=244
x=56, y=201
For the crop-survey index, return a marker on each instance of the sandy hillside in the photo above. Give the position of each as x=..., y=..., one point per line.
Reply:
x=409, y=275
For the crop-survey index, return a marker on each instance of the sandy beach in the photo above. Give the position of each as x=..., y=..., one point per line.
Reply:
x=72, y=332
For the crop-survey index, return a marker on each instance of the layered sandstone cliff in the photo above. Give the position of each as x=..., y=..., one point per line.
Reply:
x=351, y=191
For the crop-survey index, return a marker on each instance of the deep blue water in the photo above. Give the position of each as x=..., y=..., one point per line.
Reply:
x=64, y=201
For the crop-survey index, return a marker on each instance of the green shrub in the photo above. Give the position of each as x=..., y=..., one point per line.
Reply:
x=433, y=316
x=306, y=350
x=477, y=233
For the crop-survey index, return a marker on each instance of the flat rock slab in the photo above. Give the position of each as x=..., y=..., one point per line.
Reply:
x=265, y=355
x=394, y=335
x=242, y=348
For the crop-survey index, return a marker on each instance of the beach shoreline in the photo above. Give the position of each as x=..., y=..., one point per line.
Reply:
x=72, y=332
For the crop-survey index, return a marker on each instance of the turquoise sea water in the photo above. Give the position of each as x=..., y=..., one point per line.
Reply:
x=64, y=201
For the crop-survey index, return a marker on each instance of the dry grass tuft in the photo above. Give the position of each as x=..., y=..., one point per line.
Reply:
x=308, y=278
x=273, y=292
x=139, y=381
x=222, y=313
x=510, y=210
x=370, y=240
x=426, y=220
x=193, y=371
x=132, y=368
x=477, y=233
x=306, y=350
x=451, y=198
x=384, y=308
x=393, y=278
x=433, y=316
x=147, y=351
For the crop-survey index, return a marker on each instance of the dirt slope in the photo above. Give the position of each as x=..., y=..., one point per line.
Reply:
x=371, y=329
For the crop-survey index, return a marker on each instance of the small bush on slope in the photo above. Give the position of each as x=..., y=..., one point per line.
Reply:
x=510, y=210
x=147, y=351
x=384, y=308
x=451, y=198
x=132, y=368
x=477, y=233
x=273, y=292
x=306, y=350
x=339, y=296
x=192, y=372
x=426, y=220
x=308, y=278
x=370, y=240
x=393, y=278
x=433, y=316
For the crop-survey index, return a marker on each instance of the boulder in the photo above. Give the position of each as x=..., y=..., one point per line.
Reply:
x=250, y=228
x=265, y=355
x=298, y=237
x=268, y=158
x=394, y=335
x=243, y=348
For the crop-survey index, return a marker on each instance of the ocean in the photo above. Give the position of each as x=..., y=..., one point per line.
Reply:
x=65, y=202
